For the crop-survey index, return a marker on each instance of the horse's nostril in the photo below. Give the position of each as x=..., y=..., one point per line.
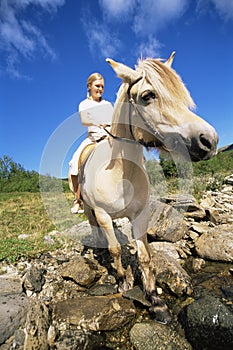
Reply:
x=205, y=142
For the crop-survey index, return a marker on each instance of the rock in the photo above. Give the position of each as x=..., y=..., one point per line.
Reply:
x=166, y=224
x=170, y=275
x=164, y=247
x=152, y=335
x=217, y=244
x=229, y=180
x=95, y=313
x=137, y=294
x=186, y=204
x=13, y=307
x=79, y=340
x=34, y=279
x=213, y=215
x=37, y=325
x=200, y=227
x=102, y=289
x=81, y=270
x=208, y=324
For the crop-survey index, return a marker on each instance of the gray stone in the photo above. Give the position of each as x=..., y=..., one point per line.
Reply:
x=217, y=244
x=152, y=335
x=187, y=204
x=137, y=294
x=208, y=324
x=164, y=247
x=95, y=313
x=13, y=307
x=81, y=270
x=170, y=275
x=229, y=180
x=166, y=223
x=79, y=340
x=34, y=279
x=102, y=289
x=10, y=285
x=37, y=325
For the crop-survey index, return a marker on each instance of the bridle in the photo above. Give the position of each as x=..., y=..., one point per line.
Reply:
x=133, y=104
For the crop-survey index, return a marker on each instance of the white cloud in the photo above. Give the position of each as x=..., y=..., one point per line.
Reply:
x=120, y=10
x=101, y=42
x=150, y=48
x=224, y=8
x=154, y=15
x=20, y=38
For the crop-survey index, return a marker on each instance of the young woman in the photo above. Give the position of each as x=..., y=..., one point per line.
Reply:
x=94, y=112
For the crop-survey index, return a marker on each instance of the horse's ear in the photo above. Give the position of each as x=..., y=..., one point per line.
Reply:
x=127, y=74
x=170, y=59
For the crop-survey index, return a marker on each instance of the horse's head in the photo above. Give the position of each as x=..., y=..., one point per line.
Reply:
x=160, y=110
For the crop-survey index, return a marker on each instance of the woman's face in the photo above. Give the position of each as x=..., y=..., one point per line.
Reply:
x=96, y=89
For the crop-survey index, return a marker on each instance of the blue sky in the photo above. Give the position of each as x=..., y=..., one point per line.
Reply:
x=49, y=47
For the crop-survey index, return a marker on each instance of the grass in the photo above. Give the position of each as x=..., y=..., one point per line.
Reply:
x=24, y=213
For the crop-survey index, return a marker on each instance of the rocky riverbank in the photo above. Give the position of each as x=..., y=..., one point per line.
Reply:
x=68, y=299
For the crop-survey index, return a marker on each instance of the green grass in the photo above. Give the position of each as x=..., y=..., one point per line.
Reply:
x=24, y=213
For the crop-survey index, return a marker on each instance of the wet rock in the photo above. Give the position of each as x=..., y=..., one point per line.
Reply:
x=81, y=270
x=79, y=340
x=37, y=325
x=152, y=335
x=170, y=275
x=137, y=294
x=34, y=279
x=102, y=289
x=208, y=324
x=13, y=307
x=95, y=313
x=217, y=244
x=166, y=224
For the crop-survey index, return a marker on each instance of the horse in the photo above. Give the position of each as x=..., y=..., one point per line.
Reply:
x=153, y=109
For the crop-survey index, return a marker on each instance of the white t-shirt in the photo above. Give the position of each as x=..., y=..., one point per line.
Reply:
x=93, y=113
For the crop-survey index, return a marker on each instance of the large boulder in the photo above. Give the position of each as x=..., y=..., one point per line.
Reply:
x=217, y=244
x=166, y=223
x=95, y=313
x=208, y=324
x=13, y=307
x=152, y=335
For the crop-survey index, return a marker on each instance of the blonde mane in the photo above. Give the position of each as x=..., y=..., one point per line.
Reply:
x=171, y=91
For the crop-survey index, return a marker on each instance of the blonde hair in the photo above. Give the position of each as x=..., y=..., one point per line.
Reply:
x=91, y=78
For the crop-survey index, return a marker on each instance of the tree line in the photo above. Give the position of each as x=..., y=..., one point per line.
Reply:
x=14, y=178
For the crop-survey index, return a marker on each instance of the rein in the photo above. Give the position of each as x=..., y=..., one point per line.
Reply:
x=133, y=104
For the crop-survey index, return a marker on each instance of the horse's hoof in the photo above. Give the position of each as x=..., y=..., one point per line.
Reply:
x=161, y=314
x=124, y=286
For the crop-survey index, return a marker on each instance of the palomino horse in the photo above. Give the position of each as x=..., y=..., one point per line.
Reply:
x=152, y=109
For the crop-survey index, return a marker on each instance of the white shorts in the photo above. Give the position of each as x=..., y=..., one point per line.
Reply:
x=74, y=161
x=92, y=138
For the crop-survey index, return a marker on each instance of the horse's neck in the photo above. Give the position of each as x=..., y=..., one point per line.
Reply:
x=127, y=155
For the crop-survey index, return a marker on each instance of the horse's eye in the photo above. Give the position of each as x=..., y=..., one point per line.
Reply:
x=148, y=95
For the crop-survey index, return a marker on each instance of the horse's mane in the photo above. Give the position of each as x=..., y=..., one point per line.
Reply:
x=171, y=92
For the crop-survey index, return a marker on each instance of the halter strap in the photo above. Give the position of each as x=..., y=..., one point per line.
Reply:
x=133, y=104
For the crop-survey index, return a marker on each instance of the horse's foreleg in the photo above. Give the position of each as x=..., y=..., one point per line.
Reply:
x=159, y=308
x=105, y=222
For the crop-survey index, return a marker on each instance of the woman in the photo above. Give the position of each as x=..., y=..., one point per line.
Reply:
x=94, y=112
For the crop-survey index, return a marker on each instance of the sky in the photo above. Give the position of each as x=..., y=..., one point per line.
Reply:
x=48, y=48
